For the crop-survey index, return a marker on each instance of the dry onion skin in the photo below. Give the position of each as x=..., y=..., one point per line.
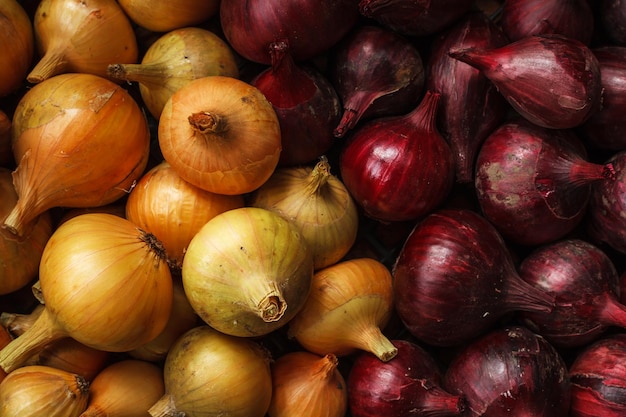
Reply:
x=81, y=36
x=172, y=209
x=175, y=59
x=167, y=15
x=247, y=272
x=80, y=141
x=318, y=203
x=350, y=302
x=18, y=44
x=220, y=134
x=105, y=283
x=36, y=391
x=208, y=373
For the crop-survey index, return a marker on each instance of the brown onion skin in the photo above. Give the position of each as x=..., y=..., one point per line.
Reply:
x=470, y=106
x=510, y=371
x=17, y=38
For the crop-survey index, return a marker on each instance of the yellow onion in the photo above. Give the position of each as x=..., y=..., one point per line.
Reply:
x=306, y=384
x=17, y=323
x=166, y=15
x=6, y=154
x=247, y=272
x=172, y=209
x=220, y=134
x=19, y=255
x=37, y=391
x=79, y=141
x=105, y=283
x=318, y=203
x=173, y=60
x=18, y=45
x=125, y=389
x=349, y=303
x=82, y=36
x=208, y=373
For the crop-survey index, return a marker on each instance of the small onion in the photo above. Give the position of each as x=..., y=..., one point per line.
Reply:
x=17, y=39
x=168, y=15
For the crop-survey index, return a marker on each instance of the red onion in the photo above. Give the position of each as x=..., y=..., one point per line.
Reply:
x=598, y=379
x=551, y=80
x=409, y=384
x=534, y=183
x=415, y=17
x=612, y=20
x=310, y=26
x=306, y=103
x=470, y=107
x=606, y=128
x=376, y=72
x=510, y=371
x=455, y=278
x=571, y=18
x=399, y=168
x=586, y=287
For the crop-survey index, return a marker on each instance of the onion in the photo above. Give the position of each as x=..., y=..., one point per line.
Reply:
x=247, y=271
x=534, y=183
x=168, y=15
x=306, y=103
x=220, y=134
x=510, y=371
x=564, y=99
x=304, y=383
x=6, y=154
x=17, y=38
x=612, y=20
x=318, y=203
x=208, y=373
x=87, y=263
x=76, y=36
x=376, y=72
x=598, y=379
x=399, y=168
x=79, y=141
x=454, y=279
x=571, y=18
x=5, y=339
x=173, y=60
x=415, y=17
x=470, y=107
x=125, y=388
x=409, y=384
x=310, y=27
x=350, y=302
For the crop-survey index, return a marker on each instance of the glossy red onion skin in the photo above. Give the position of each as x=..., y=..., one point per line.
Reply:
x=470, y=107
x=606, y=128
x=586, y=287
x=376, y=73
x=598, y=379
x=454, y=279
x=306, y=103
x=510, y=371
x=415, y=17
x=612, y=20
x=410, y=384
x=399, y=168
x=534, y=183
x=310, y=26
x=551, y=80
x=571, y=18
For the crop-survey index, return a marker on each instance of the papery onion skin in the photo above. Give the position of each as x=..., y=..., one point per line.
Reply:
x=17, y=38
x=168, y=15
x=84, y=149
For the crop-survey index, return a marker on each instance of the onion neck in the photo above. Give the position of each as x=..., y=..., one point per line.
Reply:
x=522, y=296
x=266, y=300
x=207, y=123
x=53, y=62
x=319, y=176
x=354, y=108
x=439, y=403
x=583, y=172
x=165, y=407
x=327, y=366
x=424, y=115
x=372, y=339
x=612, y=313
x=149, y=74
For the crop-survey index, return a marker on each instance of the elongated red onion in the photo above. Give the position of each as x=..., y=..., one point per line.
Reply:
x=376, y=72
x=612, y=20
x=306, y=103
x=454, y=279
x=409, y=384
x=470, y=107
x=534, y=183
x=399, y=167
x=510, y=371
x=310, y=26
x=598, y=379
x=586, y=287
x=551, y=80
x=571, y=18
x=415, y=17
